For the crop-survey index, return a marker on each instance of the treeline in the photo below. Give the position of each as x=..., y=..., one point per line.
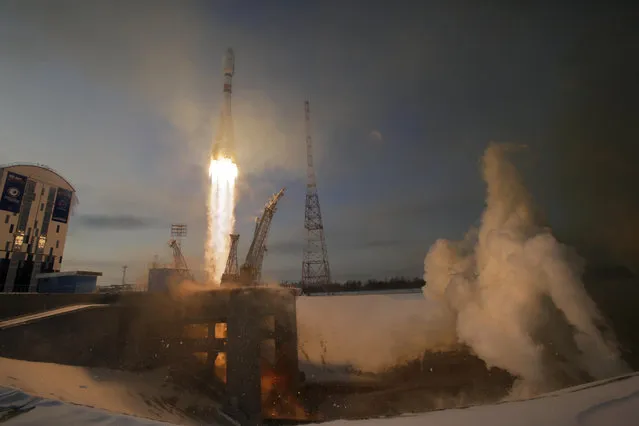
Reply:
x=397, y=283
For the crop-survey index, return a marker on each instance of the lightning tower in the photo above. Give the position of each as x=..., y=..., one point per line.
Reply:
x=315, y=268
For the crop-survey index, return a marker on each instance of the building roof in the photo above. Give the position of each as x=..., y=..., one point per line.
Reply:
x=37, y=166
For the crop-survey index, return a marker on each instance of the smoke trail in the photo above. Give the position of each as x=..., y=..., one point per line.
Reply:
x=514, y=295
x=221, y=216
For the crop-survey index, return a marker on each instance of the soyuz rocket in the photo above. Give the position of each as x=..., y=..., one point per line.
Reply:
x=224, y=141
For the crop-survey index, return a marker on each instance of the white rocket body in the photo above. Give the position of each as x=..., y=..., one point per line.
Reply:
x=224, y=143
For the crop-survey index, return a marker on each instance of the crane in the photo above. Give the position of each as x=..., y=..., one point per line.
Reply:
x=232, y=272
x=179, y=262
x=251, y=270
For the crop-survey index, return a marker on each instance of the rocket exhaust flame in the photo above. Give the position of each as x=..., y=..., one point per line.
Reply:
x=221, y=215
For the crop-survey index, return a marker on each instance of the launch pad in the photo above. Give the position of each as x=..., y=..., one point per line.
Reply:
x=236, y=346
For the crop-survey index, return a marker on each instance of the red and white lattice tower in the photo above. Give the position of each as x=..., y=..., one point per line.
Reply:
x=315, y=268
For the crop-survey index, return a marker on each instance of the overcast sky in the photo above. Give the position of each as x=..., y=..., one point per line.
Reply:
x=122, y=98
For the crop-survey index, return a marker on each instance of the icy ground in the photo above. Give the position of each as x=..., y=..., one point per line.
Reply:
x=19, y=408
x=49, y=394
x=122, y=392
x=611, y=402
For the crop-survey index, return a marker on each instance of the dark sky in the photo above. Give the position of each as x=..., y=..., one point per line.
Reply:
x=122, y=98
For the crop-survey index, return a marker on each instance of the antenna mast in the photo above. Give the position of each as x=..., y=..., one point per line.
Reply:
x=315, y=268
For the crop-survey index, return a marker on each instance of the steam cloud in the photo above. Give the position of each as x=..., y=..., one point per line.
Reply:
x=509, y=291
x=513, y=293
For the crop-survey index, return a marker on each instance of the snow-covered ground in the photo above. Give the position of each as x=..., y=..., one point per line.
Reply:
x=19, y=408
x=90, y=401
x=369, y=332
x=141, y=395
x=613, y=402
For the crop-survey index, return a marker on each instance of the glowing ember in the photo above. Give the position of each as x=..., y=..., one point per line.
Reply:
x=221, y=215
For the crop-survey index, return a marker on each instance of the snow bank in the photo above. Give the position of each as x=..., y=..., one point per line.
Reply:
x=146, y=395
x=19, y=408
x=367, y=332
x=612, y=402
x=101, y=400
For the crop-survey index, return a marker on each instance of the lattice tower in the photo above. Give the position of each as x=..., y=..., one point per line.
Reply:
x=232, y=270
x=315, y=267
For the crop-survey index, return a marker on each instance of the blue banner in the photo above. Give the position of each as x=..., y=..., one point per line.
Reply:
x=62, y=205
x=12, y=193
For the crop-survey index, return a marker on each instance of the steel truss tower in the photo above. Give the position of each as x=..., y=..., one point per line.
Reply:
x=315, y=268
x=232, y=271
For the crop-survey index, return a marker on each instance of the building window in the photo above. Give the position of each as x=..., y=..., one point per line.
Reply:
x=57, y=229
x=11, y=229
x=35, y=225
x=57, y=244
x=42, y=205
x=6, y=219
x=7, y=245
x=42, y=193
x=60, y=259
x=50, y=251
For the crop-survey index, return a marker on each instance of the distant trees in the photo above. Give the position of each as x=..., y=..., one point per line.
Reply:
x=395, y=283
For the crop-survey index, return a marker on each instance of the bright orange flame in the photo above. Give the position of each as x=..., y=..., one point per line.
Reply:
x=221, y=215
x=278, y=399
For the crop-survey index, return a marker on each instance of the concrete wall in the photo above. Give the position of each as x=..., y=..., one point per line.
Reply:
x=86, y=338
x=15, y=304
x=68, y=284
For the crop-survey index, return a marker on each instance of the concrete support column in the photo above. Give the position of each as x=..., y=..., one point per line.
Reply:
x=286, y=338
x=243, y=358
x=37, y=264
x=13, y=271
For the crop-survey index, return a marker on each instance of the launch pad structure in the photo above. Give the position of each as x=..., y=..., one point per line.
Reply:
x=222, y=343
x=237, y=344
x=249, y=274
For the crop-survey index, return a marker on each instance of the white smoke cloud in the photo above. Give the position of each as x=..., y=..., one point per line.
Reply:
x=514, y=293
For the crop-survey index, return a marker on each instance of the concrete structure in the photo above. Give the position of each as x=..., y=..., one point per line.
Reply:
x=221, y=343
x=68, y=282
x=162, y=280
x=35, y=205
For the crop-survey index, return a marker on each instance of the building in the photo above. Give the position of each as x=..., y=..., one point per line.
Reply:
x=34, y=213
x=116, y=288
x=163, y=280
x=68, y=282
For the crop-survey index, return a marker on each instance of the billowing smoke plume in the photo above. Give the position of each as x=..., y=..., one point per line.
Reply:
x=513, y=292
